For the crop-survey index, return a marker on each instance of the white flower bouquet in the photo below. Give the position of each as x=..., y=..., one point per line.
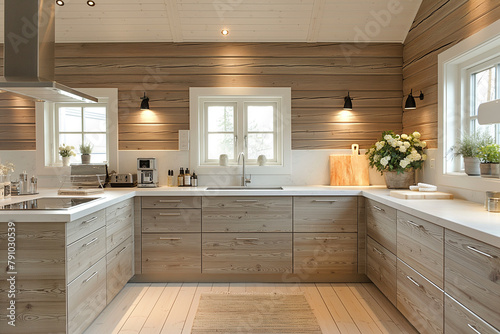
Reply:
x=7, y=168
x=397, y=153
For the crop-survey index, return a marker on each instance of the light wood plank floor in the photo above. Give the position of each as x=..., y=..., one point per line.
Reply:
x=169, y=308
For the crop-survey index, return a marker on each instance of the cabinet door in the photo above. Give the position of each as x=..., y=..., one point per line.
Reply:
x=381, y=268
x=325, y=214
x=247, y=253
x=472, y=275
x=171, y=220
x=460, y=320
x=420, y=301
x=171, y=252
x=119, y=223
x=325, y=253
x=381, y=224
x=119, y=267
x=81, y=227
x=170, y=202
x=247, y=214
x=420, y=245
x=84, y=253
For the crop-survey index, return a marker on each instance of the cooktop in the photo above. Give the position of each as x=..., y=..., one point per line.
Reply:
x=48, y=203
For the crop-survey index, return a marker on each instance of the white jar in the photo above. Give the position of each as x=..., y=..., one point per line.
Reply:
x=223, y=160
x=261, y=160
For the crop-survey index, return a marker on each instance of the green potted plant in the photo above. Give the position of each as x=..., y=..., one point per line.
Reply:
x=85, y=150
x=489, y=155
x=468, y=147
x=397, y=157
x=66, y=152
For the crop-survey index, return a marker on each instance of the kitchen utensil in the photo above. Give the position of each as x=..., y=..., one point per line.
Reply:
x=349, y=170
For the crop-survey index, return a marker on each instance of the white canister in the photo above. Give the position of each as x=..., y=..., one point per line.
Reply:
x=261, y=160
x=223, y=160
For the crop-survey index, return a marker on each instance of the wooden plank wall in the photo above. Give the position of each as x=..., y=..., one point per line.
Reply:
x=438, y=25
x=320, y=75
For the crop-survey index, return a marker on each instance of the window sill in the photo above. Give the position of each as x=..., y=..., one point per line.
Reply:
x=238, y=169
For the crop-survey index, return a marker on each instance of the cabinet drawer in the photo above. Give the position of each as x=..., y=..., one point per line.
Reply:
x=119, y=228
x=247, y=214
x=81, y=227
x=381, y=268
x=381, y=224
x=171, y=202
x=86, y=297
x=84, y=253
x=119, y=268
x=325, y=253
x=119, y=210
x=325, y=214
x=172, y=252
x=460, y=320
x=171, y=220
x=420, y=301
x=247, y=253
x=420, y=245
x=472, y=275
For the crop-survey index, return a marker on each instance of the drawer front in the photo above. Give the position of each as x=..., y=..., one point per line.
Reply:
x=119, y=228
x=472, y=275
x=171, y=202
x=381, y=268
x=419, y=301
x=420, y=245
x=119, y=210
x=84, y=253
x=325, y=214
x=325, y=253
x=171, y=220
x=81, y=227
x=381, y=224
x=172, y=252
x=86, y=297
x=247, y=214
x=460, y=320
x=119, y=267
x=247, y=253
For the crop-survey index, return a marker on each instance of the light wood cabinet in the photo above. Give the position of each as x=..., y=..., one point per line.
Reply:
x=119, y=223
x=84, y=253
x=460, y=320
x=381, y=224
x=171, y=220
x=247, y=253
x=325, y=253
x=420, y=301
x=77, y=229
x=171, y=202
x=381, y=268
x=420, y=244
x=176, y=252
x=325, y=214
x=247, y=214
x=472, y=275
x=119, y=268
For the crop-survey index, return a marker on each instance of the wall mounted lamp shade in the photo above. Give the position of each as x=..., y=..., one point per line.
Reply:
x=60, y=2
x=348, y=102
x=410, y=101
x=145, y=102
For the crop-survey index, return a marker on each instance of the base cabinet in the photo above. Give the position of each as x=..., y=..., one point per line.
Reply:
x=381, y=268
x=119, y=268
x=460, y=320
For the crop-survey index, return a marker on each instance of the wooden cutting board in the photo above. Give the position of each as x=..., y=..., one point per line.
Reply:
x=408, y=194
x=349, y=170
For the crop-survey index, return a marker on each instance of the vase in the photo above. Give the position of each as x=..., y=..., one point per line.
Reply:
x=85, y=159
x=5, y=182
x=471, y=165
x=395, y=180
x=491, y=170
x=65, y=161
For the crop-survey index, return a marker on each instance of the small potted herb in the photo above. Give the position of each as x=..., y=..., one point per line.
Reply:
x=468, y=147
x=489, y=155
x=85, y=150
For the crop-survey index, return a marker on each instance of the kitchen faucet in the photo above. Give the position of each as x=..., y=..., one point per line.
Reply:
x=244, y=180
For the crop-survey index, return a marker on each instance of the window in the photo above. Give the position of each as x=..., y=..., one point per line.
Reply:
x=255, y=121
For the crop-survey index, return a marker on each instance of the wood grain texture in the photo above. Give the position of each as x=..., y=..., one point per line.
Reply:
x=119, y=223
x=438, y=25
x=349, y=170
x=171, y=202
x=137, y=235
x=472, y=277
x=381, y=269
x=119, y=268
x=84, y=253
x=81, y=227
x=381, y=224
x=362, y=236
x=459, y=319
x=171, y=220
x=320, y=75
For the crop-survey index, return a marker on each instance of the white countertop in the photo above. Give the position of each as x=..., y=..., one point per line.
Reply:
x=465, y=217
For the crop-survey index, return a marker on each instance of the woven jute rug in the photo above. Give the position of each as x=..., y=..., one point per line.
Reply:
x=254, y=313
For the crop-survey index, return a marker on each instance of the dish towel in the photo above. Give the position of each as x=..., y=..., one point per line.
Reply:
x=424, y=187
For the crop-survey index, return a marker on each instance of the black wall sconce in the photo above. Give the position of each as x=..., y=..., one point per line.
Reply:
x=410, y=101
x=145, y=102
x=348, y=102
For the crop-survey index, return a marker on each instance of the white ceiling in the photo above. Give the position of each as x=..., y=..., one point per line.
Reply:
x=247, y=20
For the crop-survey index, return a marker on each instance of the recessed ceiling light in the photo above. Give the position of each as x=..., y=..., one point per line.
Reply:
x=224, y=32
x=91, y=3
x=60, y=2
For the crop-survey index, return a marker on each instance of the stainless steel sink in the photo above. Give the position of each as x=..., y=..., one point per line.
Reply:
x=244, y=188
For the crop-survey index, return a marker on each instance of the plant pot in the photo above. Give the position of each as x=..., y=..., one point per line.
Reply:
x=472, y=166
x=65, y=161
x=395, y=180
x=491, y=170
x=85, y=159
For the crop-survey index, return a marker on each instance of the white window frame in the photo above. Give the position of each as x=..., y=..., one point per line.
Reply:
x=198, y=96
x=46, y=162
x=454, y=102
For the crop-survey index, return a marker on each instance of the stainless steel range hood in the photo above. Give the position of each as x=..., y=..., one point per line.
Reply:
x=29, y=42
